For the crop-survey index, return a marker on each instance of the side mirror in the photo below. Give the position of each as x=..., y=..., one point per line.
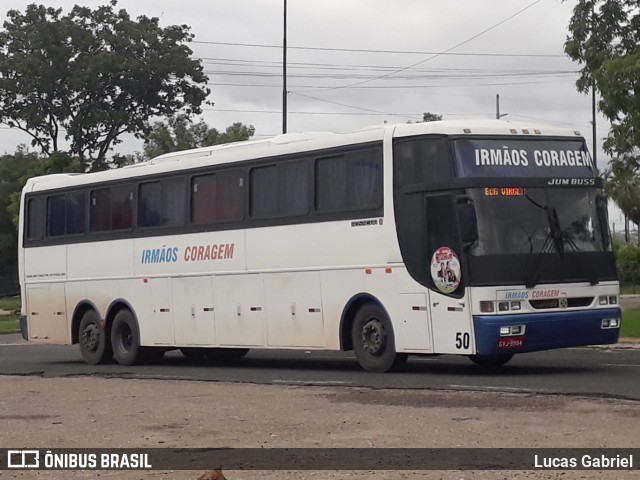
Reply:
x=468, y=221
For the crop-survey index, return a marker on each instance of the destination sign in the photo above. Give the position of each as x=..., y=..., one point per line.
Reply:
x=523, y=158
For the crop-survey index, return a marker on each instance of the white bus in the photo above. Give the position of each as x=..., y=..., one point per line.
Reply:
x=479, y=238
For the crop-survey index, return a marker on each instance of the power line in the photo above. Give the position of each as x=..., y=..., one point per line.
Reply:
x=397, y=52
x=387, y=87
x=410, y=76
x=242, y=63
x=446, y=51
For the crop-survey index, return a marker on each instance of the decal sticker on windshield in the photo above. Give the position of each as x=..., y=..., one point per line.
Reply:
x=445, y=270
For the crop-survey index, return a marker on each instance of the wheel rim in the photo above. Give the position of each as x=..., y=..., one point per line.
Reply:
x=374, y=337
x=125, y=338
x=91, y=337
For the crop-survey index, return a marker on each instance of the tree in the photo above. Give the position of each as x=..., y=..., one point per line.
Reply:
x=622, y=185
x=91, y=76
x=13, y=168
x=179, y=133
x=603, y=38
x=431, y=117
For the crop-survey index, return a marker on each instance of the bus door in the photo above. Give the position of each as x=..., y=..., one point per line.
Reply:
x=448, y=299
x=451, y=323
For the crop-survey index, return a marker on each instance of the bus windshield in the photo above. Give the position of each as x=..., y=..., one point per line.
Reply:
x=536, y=220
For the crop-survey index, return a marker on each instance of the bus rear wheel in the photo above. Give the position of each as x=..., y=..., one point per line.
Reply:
x=94, y=341
x=373, y=340
x=125, y=339
x=495, y=360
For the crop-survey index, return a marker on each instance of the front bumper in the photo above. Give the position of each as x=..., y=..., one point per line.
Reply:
x=545, y=331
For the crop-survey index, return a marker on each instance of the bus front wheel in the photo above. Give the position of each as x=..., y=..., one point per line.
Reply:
x=373, y=340
x=93, y=339
x=125, y=339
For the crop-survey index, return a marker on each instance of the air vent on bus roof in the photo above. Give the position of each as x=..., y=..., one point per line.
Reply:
x=298, y=137
x=176, y=156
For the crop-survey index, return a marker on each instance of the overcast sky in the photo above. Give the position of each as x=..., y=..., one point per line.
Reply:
x=356, y=63
x=339, y=47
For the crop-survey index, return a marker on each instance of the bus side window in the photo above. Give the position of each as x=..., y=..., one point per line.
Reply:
x=100, y=210
x=422, y=160
x=162, y=203
x=349, y=182
x=111, y=209
x=217, y=198
x=122, y=207
x=264, y=203
x=280, y=190
x=66, y=214
x=35, y=223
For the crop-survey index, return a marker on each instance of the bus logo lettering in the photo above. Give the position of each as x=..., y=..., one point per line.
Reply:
x=160, y=255
x=521, y=295
x=201, y=253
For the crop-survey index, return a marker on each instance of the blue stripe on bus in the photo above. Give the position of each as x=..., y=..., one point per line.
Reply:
x=545, y=331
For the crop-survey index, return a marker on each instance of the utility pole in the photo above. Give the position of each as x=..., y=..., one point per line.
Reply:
x=284, y=72
x=594, y=152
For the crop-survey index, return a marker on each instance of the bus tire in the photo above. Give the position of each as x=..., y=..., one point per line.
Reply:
x=373, y=340
x=495, y=360
x=196, y=354
x=125, y=339
x=95, y=344
x=226, y=355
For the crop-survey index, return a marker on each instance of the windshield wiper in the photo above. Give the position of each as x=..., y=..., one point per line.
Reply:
x=555, y=238
x=552, y=241
x=555, y=232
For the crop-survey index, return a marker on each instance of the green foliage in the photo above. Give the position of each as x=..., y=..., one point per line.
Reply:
x=431, y=117
x=622, y=185
x=630, y=323
x=91, y=76
x=603, y=38
x=13, y=169
x=57, y=163
x=628, y=263
x=9, y=324
x=10, y=304
x=180, y=133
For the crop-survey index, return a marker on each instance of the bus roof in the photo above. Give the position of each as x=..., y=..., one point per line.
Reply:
x=292, y=143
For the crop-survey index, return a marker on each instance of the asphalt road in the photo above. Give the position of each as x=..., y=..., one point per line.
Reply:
x=592, y=372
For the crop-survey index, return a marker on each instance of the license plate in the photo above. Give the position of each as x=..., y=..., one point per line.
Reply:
x=511, y=342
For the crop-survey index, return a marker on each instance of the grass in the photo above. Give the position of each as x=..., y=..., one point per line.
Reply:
x=630, y=323
x=629, y=289
x=10, y=323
